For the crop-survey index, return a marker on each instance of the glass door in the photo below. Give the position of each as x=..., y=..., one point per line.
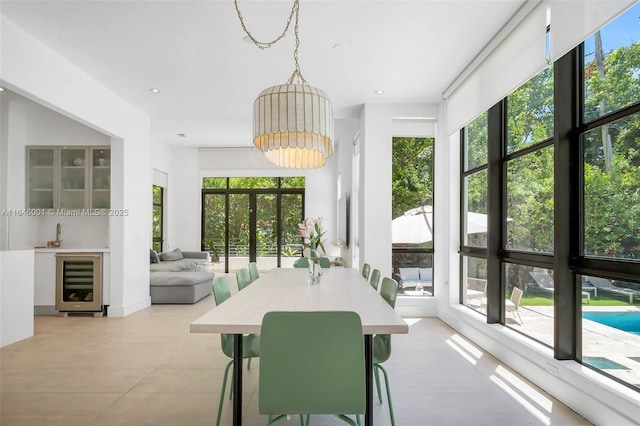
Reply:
x=239, y=240
x=266, y=231
x=41, y=178
x=291, y=208
x=73, y=173
x=251, y=224
x=100, y=178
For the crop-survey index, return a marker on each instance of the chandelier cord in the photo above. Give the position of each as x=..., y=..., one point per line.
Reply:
x=297, y=74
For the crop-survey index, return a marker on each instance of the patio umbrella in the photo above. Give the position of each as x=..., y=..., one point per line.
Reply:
x=413, y=227
x=416, y=225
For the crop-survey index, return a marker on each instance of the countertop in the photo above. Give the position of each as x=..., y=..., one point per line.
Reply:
x=71, y=250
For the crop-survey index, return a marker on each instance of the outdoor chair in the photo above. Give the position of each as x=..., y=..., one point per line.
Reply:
x=513, y=305
x=605, y=285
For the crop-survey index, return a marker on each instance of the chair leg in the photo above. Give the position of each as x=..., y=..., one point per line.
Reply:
x=347, y=420
x=224, y=385
x=519, y=317
x=386, y=381
x=377, y=377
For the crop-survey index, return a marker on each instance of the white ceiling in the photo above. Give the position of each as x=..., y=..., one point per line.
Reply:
x=193, y=51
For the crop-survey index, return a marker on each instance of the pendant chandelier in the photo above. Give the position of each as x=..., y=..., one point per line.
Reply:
x=292, y=122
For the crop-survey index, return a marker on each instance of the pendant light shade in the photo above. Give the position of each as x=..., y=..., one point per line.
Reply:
x=293, y=125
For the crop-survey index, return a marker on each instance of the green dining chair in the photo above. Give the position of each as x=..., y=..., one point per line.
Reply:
x=382, y=345
x=250, y=343
x=302, y=262
x=253, y=271
x=366, y=269
x=312, y=363
x=243, y=277
x=375, y=278
x=324, y=262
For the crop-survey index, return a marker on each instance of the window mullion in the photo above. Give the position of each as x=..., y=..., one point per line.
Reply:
x=566, y=206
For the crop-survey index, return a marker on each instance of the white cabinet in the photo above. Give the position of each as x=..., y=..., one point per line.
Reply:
x=44, y=279
x=77, y=177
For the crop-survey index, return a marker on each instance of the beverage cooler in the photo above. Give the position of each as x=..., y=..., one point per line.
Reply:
x=79, y=283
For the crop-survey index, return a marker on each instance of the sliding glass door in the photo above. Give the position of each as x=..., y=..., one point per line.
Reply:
x=252, y=220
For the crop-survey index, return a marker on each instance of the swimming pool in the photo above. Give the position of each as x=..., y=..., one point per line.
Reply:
x=625, y=321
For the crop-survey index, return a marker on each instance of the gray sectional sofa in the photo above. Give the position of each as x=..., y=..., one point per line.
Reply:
x=173, y=277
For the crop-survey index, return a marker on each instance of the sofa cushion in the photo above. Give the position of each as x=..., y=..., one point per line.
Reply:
x=166, y=279
x=174, y=266
x=171, y=255
x=154, y=257
x=412, y=274
x=426, y=274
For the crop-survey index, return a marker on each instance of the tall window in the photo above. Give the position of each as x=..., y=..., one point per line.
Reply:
x=252, y=219
x=566, y=270
x=609, y=258
x=474, y=214
x=157, y=218
x=412, y=207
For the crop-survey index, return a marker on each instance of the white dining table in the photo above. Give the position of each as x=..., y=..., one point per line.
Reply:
x=286, y=289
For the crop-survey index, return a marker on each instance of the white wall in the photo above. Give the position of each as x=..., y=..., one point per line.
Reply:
x=375, y=164
x=27, y=123
x=16, y=295
x=320, y=192
x=345, y=132
x=33, y=70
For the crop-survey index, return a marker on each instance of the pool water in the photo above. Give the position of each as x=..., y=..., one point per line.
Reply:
x=603, y=363
x=625, y=321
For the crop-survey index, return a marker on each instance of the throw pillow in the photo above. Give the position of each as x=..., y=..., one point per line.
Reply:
x=172, y=255
x=154, y=257
x=426, y=274
x=409, y=274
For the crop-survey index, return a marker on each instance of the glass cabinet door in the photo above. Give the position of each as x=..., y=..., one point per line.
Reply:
x=41, y=178
x=73, y=172
x=100, y=178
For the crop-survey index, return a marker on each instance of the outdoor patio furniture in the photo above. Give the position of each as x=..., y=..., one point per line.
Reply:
x=606, y=285
x=544, y=283
x=513, y=304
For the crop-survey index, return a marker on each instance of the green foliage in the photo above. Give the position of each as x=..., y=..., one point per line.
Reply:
x=214, y=207
x=612, y=185
x=530, y=112
x=412, y=173
x=476, y=142
x=618, y=87
x=530, y=200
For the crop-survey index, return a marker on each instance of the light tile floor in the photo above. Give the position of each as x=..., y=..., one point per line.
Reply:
x=147, y=369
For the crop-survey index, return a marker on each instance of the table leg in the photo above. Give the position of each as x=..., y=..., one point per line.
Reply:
x=237, y=379
x=368, y=375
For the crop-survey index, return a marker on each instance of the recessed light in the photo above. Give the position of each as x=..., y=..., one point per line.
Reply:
x=1, y=89
x=182, y=135
x=154, y=90
x=379, y=92
x=340, y=46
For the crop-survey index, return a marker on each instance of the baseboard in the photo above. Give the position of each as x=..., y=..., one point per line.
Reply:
x=45, y=310
x=123, y=311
